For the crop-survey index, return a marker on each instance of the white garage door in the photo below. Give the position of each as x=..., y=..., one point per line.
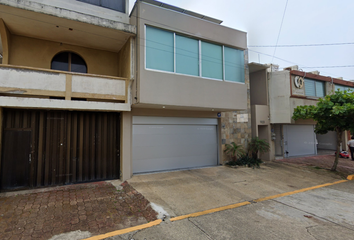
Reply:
x=162, y=143
x=327, y=141
x=299, y=140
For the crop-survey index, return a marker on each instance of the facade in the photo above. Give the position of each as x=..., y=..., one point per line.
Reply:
x=272, y=109
x=89, y=93
x=65, y=82
x=189, y=69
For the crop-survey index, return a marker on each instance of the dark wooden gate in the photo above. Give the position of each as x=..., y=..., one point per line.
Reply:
x=65, y=146
x=16, y=158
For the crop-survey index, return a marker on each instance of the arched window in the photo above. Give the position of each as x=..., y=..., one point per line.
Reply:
x=69, y=61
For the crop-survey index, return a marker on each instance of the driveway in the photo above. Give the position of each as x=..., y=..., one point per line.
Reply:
x=326, y=213
x=298, y=207
x=185, y=192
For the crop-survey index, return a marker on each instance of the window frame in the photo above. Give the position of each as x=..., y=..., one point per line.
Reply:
x=315, y=88
x=100, y=5
x=199, y=60
x=69, y=61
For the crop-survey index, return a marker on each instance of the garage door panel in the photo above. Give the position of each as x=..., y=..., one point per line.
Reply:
x=168, y=147
x=300, y=140
x=149, y=152
x=176, y=139
x=172, y=129
x=172, y=163
x=327, y=141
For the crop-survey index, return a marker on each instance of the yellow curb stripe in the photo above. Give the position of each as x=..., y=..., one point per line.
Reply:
x=157, y=222
x=210, y=211
x=298, y=191
x=127, y=230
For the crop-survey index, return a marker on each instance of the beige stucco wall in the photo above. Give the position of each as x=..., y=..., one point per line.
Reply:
x=170, y=89
x=126, y=169
x=25, y=51
x=5, y=41
x=126, y=60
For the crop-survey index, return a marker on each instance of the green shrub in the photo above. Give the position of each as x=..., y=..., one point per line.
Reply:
x=245, y=160
x=234, y=151
x=257, y=145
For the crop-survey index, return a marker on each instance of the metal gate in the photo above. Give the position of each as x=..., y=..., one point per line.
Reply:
x=65, y=147
x=299, y=140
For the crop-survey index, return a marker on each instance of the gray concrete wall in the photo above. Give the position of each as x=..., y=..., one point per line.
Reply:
x=258, y=86
x=72, y=6
x=279, y=97
x=170, y=89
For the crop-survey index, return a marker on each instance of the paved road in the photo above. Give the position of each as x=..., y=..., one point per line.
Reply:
x=324, y=213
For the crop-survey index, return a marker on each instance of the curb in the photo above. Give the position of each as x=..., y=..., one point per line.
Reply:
x=197, y=214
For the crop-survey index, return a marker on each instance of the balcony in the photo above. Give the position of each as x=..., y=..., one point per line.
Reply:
x=27, y=87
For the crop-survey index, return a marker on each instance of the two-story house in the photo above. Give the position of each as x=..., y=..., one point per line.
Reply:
x=64, y=84
x=89, y=93
x=189, y=69
x=275, y=94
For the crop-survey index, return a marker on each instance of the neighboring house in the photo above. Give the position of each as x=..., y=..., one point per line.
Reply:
x=275, y=94
x=64, y=85
x=89, y=93
x=189, y=69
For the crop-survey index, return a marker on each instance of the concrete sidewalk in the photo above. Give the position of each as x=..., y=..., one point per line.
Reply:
x=189, y=191
x=92, y=208
x=325, y=213
x=345, y=165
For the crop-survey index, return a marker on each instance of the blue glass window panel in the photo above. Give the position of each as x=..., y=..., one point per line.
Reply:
x=212, y=61
x=320, y=89
x=187, y=56
x=159, y=49
x=234, y=65
x=310, y=88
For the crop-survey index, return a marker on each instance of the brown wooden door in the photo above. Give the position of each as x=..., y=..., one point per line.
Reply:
x=66, y=147
x=16, y=159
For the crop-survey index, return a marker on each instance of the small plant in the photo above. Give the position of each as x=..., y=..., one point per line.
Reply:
x=246, y=160
x=256, y=146
x=234, y=151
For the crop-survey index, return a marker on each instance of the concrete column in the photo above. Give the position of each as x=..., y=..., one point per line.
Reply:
x=126, y=166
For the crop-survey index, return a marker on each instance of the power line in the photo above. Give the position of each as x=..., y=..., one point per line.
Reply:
x=343, y=66
x=183, y=31
x=281, y=25
x=304, y=45
x=300, y=65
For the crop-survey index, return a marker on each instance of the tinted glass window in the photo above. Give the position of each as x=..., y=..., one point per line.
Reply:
x=187, y=55
x=61, y=62
x=159, y=49
x=68, y=61
x=234, y=65
x=212, y=61
x=118, y=5
x=78, y=64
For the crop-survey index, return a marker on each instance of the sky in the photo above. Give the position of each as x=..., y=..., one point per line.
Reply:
x=289, y=22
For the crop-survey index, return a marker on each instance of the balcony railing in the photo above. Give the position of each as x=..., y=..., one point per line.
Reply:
x=28, y=82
